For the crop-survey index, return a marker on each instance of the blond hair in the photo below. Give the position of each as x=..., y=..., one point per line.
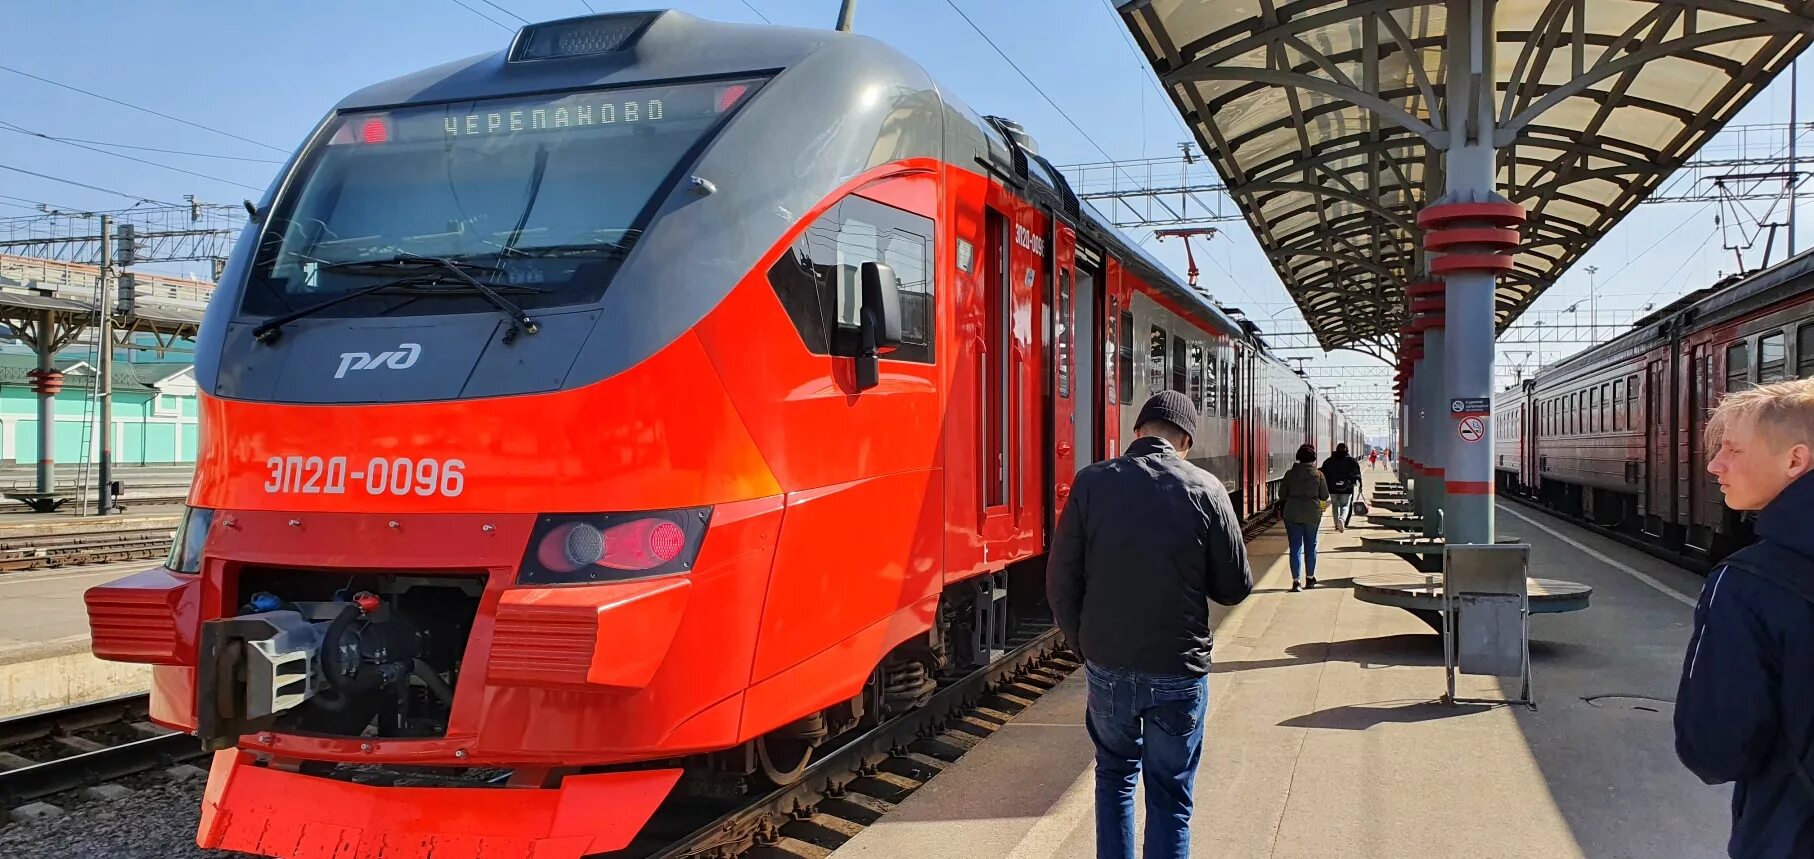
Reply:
x=1784, y=412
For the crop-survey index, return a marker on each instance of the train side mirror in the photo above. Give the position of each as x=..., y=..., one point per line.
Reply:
x=879, y=321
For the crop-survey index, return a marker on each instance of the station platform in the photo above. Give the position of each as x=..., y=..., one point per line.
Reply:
x=44, y=657
x=1326, y=737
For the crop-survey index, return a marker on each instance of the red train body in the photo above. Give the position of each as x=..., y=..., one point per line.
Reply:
x=673, y=532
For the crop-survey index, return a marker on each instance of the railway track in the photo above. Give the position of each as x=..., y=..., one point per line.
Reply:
x=49, y=753
x=1688, y=560
x=849, y=788
x=61, y=550
x=854, y=785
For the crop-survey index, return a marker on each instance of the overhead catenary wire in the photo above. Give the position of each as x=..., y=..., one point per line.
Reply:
x=505, y=11
x=1024, y=76
x=1061, y=112
x=493, y=21
x=159, y=149
x=142, y=109
x=765, y=20
x=7, y=126
x=86, y=185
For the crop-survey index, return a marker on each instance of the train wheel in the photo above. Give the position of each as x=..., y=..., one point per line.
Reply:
x=783, y=759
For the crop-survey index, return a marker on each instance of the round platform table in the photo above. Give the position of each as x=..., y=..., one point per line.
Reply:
x=1421, y=594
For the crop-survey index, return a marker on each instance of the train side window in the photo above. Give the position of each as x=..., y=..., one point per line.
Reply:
x=1155, y=354
x=1604, y=421
x=818, y=278
x=1212, y=368
x=1196, y=376
x=1631, y=403
x=1618, y=404
x=1180, y=373
x=1738, y=366
x=1772, y=364
x=1124, y=358
x=1804, y=351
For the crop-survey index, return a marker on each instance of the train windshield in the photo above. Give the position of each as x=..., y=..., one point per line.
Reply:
x=540, y=197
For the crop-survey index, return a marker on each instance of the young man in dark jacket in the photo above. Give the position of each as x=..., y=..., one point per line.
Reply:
x=1745, y=710
x=1146, y=541
x=1343, y=474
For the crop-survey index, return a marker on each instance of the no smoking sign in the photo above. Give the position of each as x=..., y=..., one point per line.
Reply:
x=1471, y=429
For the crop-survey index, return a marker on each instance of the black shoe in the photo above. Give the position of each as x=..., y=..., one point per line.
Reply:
x=1295, y=587
x=1310, y=582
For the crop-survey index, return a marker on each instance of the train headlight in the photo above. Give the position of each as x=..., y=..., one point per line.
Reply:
x=576, y=548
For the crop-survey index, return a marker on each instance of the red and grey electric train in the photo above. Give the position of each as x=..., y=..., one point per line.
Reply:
x=637, y=407
x=1615, y=435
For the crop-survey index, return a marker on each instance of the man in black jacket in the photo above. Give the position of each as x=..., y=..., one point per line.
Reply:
x=1342, y=473
x=1745, y=709
x=1144, y=544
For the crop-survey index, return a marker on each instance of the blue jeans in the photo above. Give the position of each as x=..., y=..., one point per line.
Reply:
x=1303, y=539
x=1155, y=720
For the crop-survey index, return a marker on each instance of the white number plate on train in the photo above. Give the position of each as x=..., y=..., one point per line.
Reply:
x=381, y=475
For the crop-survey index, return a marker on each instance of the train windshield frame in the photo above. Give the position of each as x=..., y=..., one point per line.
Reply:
x=542, y=195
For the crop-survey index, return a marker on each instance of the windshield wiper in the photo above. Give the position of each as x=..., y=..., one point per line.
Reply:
x=268, y=330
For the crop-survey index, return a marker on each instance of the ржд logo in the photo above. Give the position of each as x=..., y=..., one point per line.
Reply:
x=401, y=358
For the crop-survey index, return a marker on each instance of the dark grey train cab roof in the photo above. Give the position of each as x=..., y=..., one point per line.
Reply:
x=676, y=46
x=836, y=104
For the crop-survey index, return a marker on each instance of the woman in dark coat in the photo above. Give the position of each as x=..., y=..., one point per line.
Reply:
x=1303, y=495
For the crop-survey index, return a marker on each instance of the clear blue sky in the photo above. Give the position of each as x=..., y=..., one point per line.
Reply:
x=269, y=71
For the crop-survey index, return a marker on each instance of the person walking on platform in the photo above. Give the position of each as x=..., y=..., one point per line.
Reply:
x=1745, y=708
x=1373, y=458
x=1144, y=544
x=1302, y=495
x=1343, y=474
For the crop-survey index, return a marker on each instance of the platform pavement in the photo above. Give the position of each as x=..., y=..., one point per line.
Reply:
x=1325, y=738
x=44, y=657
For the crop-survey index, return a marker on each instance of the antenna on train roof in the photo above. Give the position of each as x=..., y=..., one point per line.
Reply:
x=846, y=12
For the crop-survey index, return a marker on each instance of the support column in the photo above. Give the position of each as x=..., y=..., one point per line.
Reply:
x=1471, y=235
x=104, y=378
x=1426, y=302
x=47, y=402
x=1420, y=439
x=1477, y=240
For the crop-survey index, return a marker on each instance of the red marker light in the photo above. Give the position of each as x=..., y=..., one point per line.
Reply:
x=642, y=544
x=366, y=601
x=728, y=96
x=374, y=130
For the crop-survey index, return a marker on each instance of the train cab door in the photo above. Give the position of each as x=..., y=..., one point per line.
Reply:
x=1657, y=495
x=1088, y=350
x=1066, y=449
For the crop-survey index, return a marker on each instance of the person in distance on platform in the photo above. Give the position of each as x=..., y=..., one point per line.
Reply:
x=1146, y=541
x=1303, y=493
x=1745, y=708
x=1342, y=473
x=1373, y=458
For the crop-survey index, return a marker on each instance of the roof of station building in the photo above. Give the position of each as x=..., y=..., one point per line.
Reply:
x=1326, y=119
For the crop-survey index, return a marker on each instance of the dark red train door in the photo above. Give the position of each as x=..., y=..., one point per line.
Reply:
x=1657, y=504
x=1064, y=382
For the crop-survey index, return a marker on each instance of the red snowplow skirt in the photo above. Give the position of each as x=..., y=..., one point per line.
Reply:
x=270, y=812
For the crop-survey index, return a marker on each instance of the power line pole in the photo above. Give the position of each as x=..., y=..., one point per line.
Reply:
x=846, y=14
x=105, y=383
x=1593, y=305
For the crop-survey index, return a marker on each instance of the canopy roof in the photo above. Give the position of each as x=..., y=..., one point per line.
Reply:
x=1326, y=119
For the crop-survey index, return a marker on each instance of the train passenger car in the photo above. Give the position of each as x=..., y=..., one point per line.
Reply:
x=1615, y=435
x=627, y=412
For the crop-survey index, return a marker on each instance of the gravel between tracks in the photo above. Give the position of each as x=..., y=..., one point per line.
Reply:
x=156, y=822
